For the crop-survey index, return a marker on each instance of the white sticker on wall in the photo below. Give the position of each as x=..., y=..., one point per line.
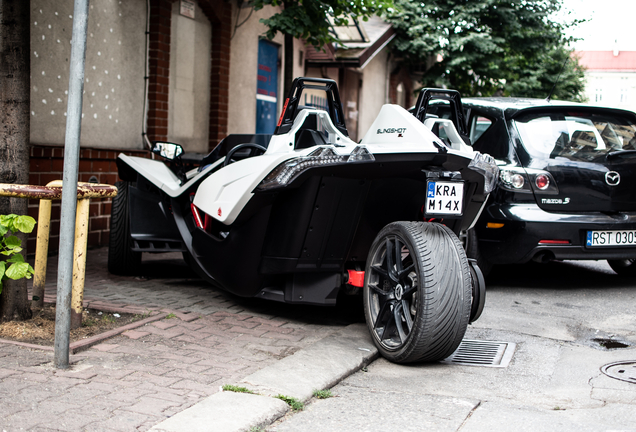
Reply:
x=187, y=8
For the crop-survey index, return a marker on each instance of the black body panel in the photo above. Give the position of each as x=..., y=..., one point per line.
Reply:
x=320, y=225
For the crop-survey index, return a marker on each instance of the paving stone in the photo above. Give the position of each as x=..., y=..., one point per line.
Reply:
x=6, y=372
x=158, y=380
x=135, y=334
x=105, y=347
x=150, y=406
x=23, y=420
x=130, y=395
x=166, y=334
x=268, y=322
x=208, y=389
x=160, y=369
x=83, y=375
x=164, y=325
x=9, y=407
x=123, y=420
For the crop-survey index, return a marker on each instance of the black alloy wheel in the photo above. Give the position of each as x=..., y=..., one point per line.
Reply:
x=417, y=292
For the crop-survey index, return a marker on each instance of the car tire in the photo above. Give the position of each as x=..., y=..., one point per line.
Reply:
x=624, y=267
x=417, y=297
x=122, y=260
x=471, y=246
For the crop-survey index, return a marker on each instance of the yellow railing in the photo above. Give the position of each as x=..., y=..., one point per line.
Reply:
x=46, y=194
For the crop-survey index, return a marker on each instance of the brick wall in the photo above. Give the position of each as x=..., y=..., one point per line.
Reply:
x=47, y=164
x=220, y=15
x=47, y=161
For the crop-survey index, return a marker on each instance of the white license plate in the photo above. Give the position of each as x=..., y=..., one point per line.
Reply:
x=444, y=198
x=611, y=238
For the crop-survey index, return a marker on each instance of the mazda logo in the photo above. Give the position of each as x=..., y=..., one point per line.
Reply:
x=612, y=178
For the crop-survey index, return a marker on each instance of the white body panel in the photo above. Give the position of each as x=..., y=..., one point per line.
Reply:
x=160, y=175
x=225, y=192
x=395, y=130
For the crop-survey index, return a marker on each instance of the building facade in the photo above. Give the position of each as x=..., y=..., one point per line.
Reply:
x=185, y=71
x=610, y=78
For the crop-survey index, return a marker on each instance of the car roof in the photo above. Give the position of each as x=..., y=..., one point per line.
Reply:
x=518, y=103
x=512, y=105
x=522, y=103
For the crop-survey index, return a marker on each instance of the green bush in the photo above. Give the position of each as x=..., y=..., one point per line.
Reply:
x=14, y=267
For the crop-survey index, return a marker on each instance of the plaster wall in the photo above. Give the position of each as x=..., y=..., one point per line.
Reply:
x=244, y=64
x=112, y=113
x=613, y=89
x=189, y=89
x=373, y=91
x=243, y=68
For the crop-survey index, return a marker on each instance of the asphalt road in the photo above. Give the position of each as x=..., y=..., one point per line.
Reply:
x=559, y=315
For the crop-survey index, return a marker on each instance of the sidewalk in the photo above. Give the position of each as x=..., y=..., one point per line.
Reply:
x=144, y=376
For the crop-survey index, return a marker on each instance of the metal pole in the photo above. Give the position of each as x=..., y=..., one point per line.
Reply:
x=69, y=190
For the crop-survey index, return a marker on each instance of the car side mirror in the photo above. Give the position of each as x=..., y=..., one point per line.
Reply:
x=170, y=151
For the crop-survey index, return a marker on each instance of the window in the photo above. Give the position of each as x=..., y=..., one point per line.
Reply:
x=584, y=136
x=478, y=126
x=598, y=95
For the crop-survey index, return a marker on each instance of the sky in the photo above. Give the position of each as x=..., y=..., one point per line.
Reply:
x=609, y=21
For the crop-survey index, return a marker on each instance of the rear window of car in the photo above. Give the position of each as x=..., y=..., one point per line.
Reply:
x=584, y=136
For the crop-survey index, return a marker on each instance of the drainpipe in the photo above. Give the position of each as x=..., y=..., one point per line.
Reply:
x=144, y=126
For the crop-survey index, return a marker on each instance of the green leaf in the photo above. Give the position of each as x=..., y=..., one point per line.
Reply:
x=2, y=267
x=3, y=230
x=12, y=242
x=6, y=220
x=24, y=224
x=17, y=258
x=17, y=270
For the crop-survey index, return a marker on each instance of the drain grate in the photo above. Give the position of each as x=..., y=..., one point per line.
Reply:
x=624, y=371
x=482, y=353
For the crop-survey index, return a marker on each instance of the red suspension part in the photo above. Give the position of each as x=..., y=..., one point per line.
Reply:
x=356, y=278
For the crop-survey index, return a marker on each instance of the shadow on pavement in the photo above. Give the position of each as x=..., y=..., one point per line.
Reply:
x=348, y=309
x=562, y=274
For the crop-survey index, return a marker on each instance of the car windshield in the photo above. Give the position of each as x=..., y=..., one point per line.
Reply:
x=585, y=136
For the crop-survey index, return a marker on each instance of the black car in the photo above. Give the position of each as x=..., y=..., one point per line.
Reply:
x=567, y=182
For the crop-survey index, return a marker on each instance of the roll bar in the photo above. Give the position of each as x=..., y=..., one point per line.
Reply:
x=291, y=106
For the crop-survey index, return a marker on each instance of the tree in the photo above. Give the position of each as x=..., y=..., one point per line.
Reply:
x=486, y=47
x=309, y=20
x=15, y=70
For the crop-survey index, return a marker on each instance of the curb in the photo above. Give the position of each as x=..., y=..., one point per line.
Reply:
x=317, y=367
x=83, y=344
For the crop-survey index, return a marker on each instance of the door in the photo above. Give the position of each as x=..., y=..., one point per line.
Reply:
x=266, y=87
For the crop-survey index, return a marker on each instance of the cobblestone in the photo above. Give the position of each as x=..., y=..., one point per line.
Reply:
x=135, y=380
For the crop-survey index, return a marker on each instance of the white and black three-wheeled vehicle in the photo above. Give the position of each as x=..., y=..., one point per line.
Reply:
x=306, y=212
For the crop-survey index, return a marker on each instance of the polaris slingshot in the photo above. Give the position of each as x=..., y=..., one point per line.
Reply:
x=306, y=212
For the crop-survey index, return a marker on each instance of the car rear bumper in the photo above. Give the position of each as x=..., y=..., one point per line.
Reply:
x=529, y=232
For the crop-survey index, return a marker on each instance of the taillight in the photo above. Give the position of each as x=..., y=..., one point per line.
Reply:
x=542, y=181
x=519, y=179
